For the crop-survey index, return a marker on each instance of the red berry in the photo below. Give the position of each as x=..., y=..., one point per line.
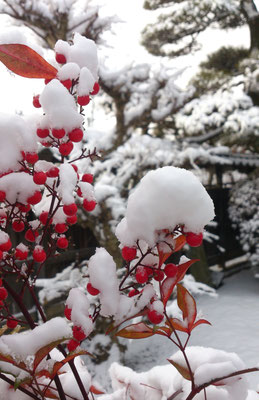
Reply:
x=75, y=167
x=67, y=83
x=61, y=228
x=6, y=246
x=96, y=89
x=35, y=198
x=2, y=195
x=89, y=205
x=31, y=158
x=20, y=255
x=42, y=133
x=155, y=317
x=158, y=275
x=70, y=209
x=36, y=101
x=66, y=148
x=78, y=333
x=24, y=208
x=87, y=178
x=3, y=293
x=150, y=271
x=141, y=275
x=39, y=254
x=194, y=239
x=60, y=58
x=39, y=178
x=76, y=135
x=171, y=270
x=79, y=192
x=58, y=133
x=72, y=345
x=67, y=313
x=44, y=217
x=62, y=243
x=1, y=257
x=133, y=292
x=92, y=290
x=17, y=225
x=46, y=144
x=53, y=172
x=129, y=253
x=72, y=220
x=31, y=235
x=11, y=323
x=1, y=282
x=83, y=100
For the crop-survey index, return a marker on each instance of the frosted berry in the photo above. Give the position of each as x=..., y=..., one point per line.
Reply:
x=6, y=246
x=66, y=148
x=159, y=275
x=155, y=317
x=72, y=220
x=31, y=235
x=62, y=243
x=31, y=158
x=20, y=254
x=2, y=195
x=76, y=135
x=129, y=253
x=39, y=178
x=24, y=208
x=67, y=313
x=61, y=228
x=87, y=178
x=11, y=323
x=3, y=293
x=141, y=275
x=171, y=270
x=58, y=133
x=53, y=172
x=17, y=225
x=78, y=333
x=60, y=58
x=83, y=100
x=194, y=239
x=44, y=217
x=67, y=83
x=96, y=89
x=39, y=254
x=133, y=292
x=35, y=198
x=89, y=205
x=92, y=290
x=42, y=133
x=72, y=345
x=70, y=209
x=36, y=101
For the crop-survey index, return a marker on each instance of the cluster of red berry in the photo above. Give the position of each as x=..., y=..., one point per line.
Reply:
x=78, y=333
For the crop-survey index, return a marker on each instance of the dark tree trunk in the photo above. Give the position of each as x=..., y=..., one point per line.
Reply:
x=251, y=14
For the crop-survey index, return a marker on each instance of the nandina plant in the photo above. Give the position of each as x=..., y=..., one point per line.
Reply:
x=40, y=200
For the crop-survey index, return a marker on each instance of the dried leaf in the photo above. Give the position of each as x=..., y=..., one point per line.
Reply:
x=24, y=61
x=182, y=370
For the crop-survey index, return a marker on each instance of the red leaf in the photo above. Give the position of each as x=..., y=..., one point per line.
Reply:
x=164, y=331
x=199, y=322
x=178, y=325
x=187, y=305
x=24, y=61
x=59, y=364
x=95, y=391
x=182, y=370
x=169, y=283
x=50, y=395
x=44, y=351
x=136, y=331
x=179, y=242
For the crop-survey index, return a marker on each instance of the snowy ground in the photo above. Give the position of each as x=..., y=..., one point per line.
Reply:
x=234, y=315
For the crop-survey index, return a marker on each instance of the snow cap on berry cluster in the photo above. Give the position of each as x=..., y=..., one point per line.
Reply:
x=59, y=107
x=68, y=181
x=18, y=187
x=165, y=198
x=102, y=275
x=4, y=237
x=79, y=304
x=15, y=135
